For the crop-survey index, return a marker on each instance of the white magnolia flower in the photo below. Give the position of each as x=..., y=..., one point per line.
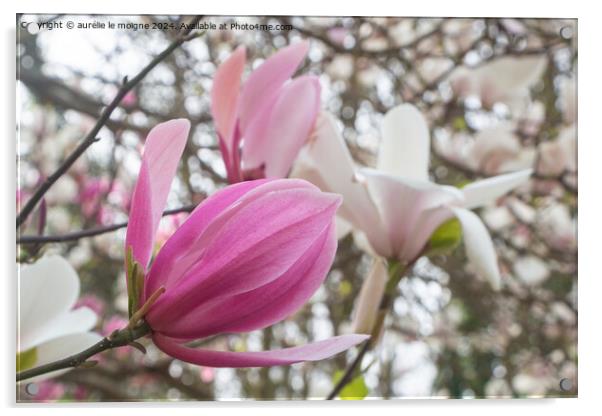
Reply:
x=396, y=208
x=49, y=328
x=491, y=151
x=498, y=150
x=505, y=80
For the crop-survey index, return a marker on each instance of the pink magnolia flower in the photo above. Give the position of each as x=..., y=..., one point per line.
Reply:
x=247, y=257
x=270, y=114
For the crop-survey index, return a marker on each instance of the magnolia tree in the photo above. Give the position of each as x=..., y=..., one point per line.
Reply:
x=337, y=208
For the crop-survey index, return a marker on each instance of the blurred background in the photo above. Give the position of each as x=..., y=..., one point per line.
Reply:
x=499, y=95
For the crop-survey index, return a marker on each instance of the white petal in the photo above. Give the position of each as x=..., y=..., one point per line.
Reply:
x=326, y=161
x=60, y=348
x=405, y=148
x=47, y=289
x=423, y=228
x=342, y=227
x=369, y=298
x=510, y=74
x=401, y=203
x=80, y=320
x=361, y=240
x=486, y=191
x=479, y=247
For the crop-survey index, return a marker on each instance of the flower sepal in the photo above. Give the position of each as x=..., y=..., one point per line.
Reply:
x=445, y=239
x=135, y=281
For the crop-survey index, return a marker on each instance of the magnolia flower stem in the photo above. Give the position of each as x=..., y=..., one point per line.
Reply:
x=117, y=339
x=91, y=137
x=396, y=273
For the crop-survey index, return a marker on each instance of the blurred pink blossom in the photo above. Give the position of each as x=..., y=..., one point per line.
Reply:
x=129, y=100
x=80, y=393
x=49, y=391
x=113, y=324
x=93, y=302
x=338, y=34
x=93, y=189
x=207, y=374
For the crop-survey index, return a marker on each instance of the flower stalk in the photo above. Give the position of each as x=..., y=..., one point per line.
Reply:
x=396, y=270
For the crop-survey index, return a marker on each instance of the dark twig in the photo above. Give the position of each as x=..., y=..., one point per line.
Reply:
x=117, y=339
x=350, y=372
x=34, y=239
x=396, y=273
x=91, y=137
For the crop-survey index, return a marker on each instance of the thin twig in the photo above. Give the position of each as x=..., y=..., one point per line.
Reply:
x=91, y=137
x=349, y=373
x=396, y=273
x=35, y=239
x=118, y=339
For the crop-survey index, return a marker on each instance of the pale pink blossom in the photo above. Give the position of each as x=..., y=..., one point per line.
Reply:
x=263, y=123
x=506, y=80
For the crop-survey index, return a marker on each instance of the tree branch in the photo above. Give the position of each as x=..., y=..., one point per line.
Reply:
x=117, y=339
x=104, y=117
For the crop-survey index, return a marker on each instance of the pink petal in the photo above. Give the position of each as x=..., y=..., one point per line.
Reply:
x=265, y=305
x=259, y=241
x=162, y=151
x=291, y=119
x=196, y=240
x=178, y=252
x=310, y=352
x=263, y=84
x=225, y=92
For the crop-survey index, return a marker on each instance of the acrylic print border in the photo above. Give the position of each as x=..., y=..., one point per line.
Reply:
x=487, y=172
